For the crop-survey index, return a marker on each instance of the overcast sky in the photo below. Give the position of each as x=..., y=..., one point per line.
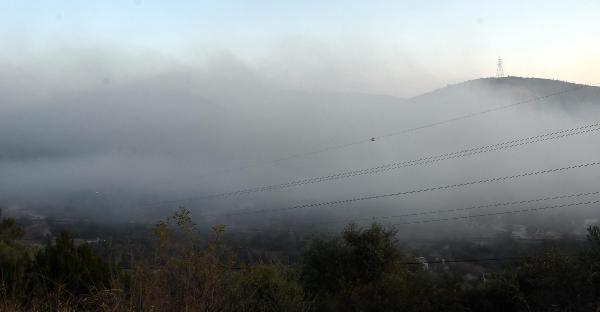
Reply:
x=400, y=48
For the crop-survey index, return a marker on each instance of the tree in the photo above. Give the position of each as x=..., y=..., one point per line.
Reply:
x=547, y=281
x=363, y=271
x=75, y=268
x=9, y=230
x=14, y=258
x=186, y=272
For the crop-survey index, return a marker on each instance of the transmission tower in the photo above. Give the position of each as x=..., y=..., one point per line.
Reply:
x=499, y=70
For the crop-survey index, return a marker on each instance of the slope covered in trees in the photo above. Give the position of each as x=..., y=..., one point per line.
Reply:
x=363, y=269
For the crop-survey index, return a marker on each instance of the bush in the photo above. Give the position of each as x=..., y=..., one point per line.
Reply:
x=270, y=287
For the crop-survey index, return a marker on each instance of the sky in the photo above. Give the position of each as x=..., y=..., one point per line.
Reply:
x=400, y=48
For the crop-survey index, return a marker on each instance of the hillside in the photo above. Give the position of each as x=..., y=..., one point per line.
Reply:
x=154, y=140
x=494, y=90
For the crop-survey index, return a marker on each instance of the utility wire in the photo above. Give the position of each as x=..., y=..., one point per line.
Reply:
x=500, y=213
x=422, y=190
x=384, y=136
x=500, y=204
x=444, y=261
x=397, y=165
x=494, y=205
x=475, y=260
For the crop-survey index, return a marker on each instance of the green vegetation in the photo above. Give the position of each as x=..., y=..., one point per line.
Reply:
x=361, y=270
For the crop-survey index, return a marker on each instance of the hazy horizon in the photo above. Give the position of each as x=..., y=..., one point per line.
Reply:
x=106, y=107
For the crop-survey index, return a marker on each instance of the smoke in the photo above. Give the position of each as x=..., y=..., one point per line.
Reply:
x=111, y=142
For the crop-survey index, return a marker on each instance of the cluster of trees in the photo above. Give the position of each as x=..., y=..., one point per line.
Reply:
x=361, y=270
x=46, y=278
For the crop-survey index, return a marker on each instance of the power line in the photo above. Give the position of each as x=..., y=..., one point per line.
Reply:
x=422, y=190
x=397, y=165
x=444, y=261
x=376, y=138
x=483, y=112
x=494, y=205
x=499, y=213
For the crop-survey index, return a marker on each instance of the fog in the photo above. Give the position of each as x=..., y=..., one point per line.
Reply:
x=135, y=148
